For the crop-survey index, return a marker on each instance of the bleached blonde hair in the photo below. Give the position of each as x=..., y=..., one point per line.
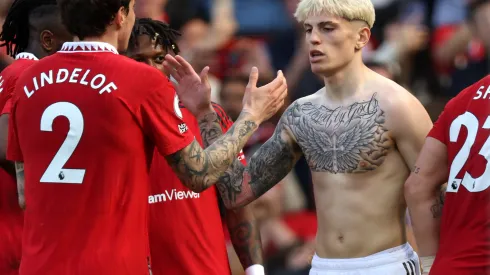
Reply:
x=349, y=9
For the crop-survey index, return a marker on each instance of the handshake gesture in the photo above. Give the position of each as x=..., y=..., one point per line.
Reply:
x=194, y=90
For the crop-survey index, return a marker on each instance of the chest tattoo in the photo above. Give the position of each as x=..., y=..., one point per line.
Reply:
x=349, y=139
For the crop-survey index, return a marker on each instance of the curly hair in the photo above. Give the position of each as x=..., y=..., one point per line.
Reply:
x=161, y=32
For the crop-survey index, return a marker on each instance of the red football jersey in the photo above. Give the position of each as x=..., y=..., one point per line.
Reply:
x=464, y=126
x=85, y=122
x=9, y=76
x=186, y=234
x=11, y=216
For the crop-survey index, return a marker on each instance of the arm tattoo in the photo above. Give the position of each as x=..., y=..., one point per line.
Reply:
x=245, y=238
x=19, y=170
x=198, y=169
x=209, y=132
x=269, y=165
x=438, y=205
x=416, y=169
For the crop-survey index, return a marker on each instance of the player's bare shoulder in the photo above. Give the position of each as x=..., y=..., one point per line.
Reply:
x=340, y=139
x=401, y=107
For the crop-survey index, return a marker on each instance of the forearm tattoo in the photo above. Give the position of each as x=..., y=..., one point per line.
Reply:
x=351, y=139
x=269, y=165
x=438, y=205
x=19, y=170
x=209, y=132
x=197, y=168
x=246, y=241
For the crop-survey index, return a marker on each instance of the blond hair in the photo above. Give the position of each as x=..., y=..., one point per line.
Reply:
x=349, y=9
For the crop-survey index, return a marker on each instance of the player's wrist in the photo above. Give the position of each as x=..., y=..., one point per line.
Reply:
x=250, y=116
x=255, y=269
x=205, y=111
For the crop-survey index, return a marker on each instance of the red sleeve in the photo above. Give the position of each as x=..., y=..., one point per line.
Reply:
x=160, y=121
x=226, y=123
x=13, y=149
x=439, y=130
x=7, y=107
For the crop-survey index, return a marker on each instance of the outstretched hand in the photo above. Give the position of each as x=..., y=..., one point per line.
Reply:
x=263, y=102
x=194, y=90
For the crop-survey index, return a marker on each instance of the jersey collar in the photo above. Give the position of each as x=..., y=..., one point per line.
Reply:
x=26, y=55
x=89, y=47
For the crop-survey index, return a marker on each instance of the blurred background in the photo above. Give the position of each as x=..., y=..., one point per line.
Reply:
x=434, y=48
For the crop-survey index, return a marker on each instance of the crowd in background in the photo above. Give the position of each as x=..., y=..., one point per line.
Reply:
x=434, y=48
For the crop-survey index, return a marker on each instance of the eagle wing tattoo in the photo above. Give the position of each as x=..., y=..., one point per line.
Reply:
x=331, y=149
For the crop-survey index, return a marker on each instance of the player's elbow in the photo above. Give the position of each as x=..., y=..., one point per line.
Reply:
x=415, y=189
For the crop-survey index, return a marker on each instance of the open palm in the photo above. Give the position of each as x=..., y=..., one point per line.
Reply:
x=194, y=90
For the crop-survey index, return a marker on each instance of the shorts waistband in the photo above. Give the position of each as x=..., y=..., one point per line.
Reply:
x=390, y=256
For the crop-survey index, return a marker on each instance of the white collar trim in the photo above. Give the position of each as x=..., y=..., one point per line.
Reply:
x=83, y=46
x=26, y=55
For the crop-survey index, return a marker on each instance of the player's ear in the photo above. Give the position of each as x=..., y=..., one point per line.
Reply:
x=47, y=41
x=120, y=17
x=363, y=35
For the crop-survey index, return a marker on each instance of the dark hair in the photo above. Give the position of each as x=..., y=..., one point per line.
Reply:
x=15, y=30
x=159, y=31
x=90, y=18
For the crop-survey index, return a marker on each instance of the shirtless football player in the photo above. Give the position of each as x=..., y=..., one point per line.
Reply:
x=360, y=134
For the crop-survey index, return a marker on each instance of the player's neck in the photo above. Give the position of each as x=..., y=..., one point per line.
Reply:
x=35, y=49
x=345, y=83
x=105, y=38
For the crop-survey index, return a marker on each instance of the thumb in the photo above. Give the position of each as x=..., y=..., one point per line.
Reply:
x=204, y=75
x=253, y=78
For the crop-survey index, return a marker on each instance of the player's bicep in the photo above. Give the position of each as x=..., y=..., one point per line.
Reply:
x=430, y=170
x=413, y=126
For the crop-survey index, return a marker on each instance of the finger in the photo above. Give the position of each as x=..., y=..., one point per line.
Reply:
x=277, y=82
x=173, y=62
x=281, y=87
x=186, y=66
x=168, y=68
x=253, y=78
x=176, y=67
x=281, y=98
x=204, y=75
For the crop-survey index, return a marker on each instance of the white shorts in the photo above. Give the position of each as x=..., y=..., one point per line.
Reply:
x=400, y=260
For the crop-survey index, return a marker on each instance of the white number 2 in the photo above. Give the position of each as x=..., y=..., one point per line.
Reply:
x=471, y=184
x=55, y=173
